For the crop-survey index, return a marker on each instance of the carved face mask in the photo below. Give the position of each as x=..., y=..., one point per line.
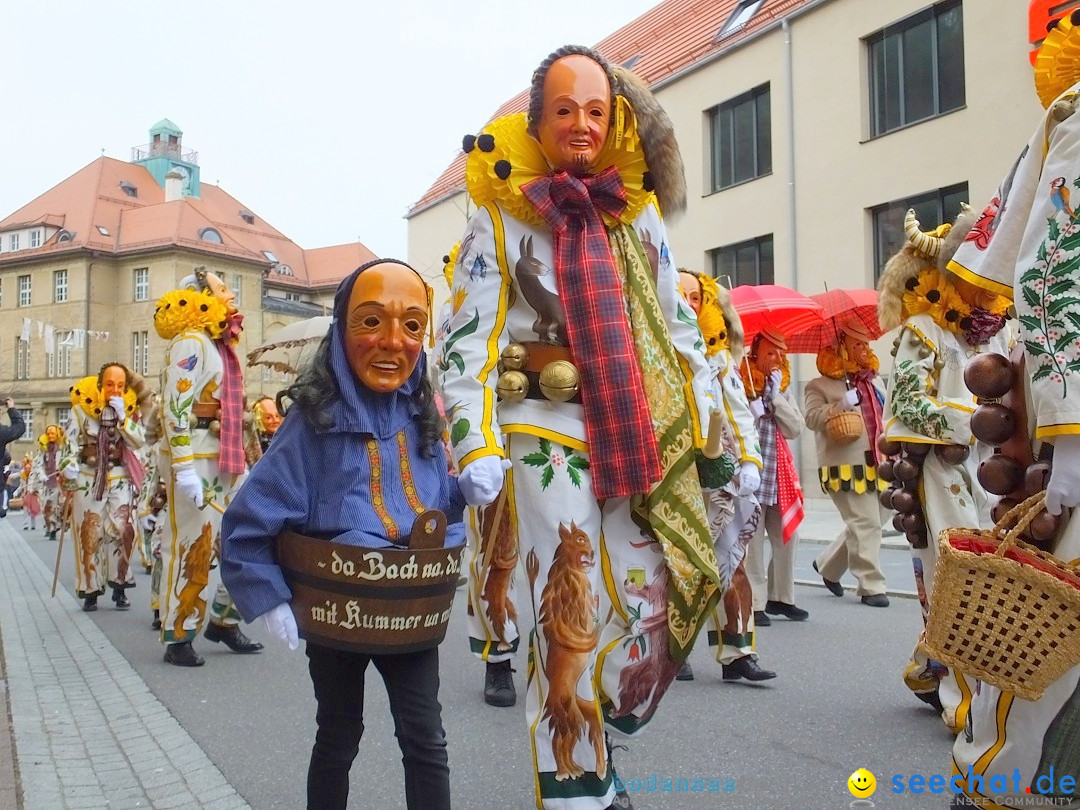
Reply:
x=769, y=357
x=113, y=382
x=220, y=290
x=269, y=416
x=52, y=434
x=385, y=325
x=691, y=290
x=858, y=351
x=576, y=115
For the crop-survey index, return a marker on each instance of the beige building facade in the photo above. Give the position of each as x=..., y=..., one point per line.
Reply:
x=806, y=136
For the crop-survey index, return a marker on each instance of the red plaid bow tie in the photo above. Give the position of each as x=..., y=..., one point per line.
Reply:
x=231, y=447
x=618, y=424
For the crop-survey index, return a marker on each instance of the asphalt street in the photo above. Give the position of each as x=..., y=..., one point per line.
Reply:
x=838, y=704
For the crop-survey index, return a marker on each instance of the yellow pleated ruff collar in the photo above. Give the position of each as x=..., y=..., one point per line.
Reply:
x=87, y=397
x=189, y=310
x=1057, y=65
x=506, y=157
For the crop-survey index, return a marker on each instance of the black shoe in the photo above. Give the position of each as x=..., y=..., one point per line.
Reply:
x=499, y=685
x=761, y=618
x=835, y=588
x=233, y=637
x=876, y=600
x=89, y=604
x=182, y=655
x=622, y=798
x=746, y=667
x=120, y=600
x=796, y=614
x=931, y=699
x=51, y=535
x=685, y=672
x=156, y=623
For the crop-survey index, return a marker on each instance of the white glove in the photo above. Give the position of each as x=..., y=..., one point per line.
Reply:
x=117, y=404
x=1063, y=489
x=749, y=479
x=188, y=483
x=70, y=472
x=757, y=408
x=851, y=399
x=775, y=378
x=147, y=522
x=482, y=479
x=281, y=624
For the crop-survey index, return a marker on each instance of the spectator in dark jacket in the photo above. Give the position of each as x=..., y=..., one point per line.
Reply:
x=8, y=434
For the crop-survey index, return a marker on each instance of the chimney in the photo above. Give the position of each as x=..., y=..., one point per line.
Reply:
x=174, y=186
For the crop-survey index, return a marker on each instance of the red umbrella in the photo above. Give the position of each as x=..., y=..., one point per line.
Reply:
x=785, y=310
x=838, y=306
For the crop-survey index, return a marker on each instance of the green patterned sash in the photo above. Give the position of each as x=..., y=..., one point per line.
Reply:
x=674, y=509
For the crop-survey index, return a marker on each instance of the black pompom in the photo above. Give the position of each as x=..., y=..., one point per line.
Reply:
x=446, y=259
x=1074, y=18
x=183, y=302
x=97, y=410
x=952, y=315
x=502, y=169
x=722, y=336
x=467, y=143
x=167, y=306
x=486, y=142
x=966, y=324
x=203, y=307
x=89, y=401
x=646, y=182
x=222, y=324
x=933, y=296
x=911, y=284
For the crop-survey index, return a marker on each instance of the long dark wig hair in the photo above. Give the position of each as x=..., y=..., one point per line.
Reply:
x=316, y=389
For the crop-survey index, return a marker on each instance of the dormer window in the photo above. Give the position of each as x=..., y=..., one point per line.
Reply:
x=269, y=254
x=103, y=230
x=129, y=188
x=247, y=216
x=741, y=16
x=283, y=270
x=64, y=236
x=211, y=235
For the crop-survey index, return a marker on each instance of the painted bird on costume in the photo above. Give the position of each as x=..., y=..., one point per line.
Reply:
x=1059, y=196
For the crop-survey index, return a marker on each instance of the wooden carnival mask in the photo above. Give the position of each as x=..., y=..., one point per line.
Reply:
x=576, y=115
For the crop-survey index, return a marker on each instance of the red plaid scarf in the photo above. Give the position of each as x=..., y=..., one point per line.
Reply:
x=789, y=497
x=869, y=407
x=618, y=423
x=231, y=450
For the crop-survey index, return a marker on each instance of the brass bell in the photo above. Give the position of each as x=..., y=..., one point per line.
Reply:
x=514, y=357
x=512, y=386
x=939, y=364
x=914, y=339
x=924, y=352
x=214, y=427
x=559, y=381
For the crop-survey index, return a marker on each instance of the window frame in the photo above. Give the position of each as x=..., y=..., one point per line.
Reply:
x=60, y=291
x=27, y=415
x=882, y=251
x=140, y=351
x=29, y=290
x=135, y=277
x=13, y=242
x=237, y=288
x=22, y=359
x=897, y=29
x=35, y=238
x=716, y=117
x=757, y=243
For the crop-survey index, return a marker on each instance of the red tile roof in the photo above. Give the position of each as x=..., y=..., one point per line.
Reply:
x=92, y=197
x=666, y=39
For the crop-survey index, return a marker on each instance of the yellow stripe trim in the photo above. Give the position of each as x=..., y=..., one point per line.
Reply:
x=479, y=452
x=609, y=580
x=597, y=673
x=545, y=433
x=1049, y=431
x=691, y=401
x=488, y=418
x=996, y=287
x=743, y=455
x=965, y=701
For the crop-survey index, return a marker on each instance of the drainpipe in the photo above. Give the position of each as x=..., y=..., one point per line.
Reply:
x=86, y=321
x=790, y=65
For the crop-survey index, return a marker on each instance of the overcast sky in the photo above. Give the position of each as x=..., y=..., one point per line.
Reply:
x=328, y=119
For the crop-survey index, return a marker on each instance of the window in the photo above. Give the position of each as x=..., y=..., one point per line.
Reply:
x=269, y=254
x=63, y=418
x=291, y=296
x=58, y=363
x=27, y=415
x=917, y=68
x=24, y=291
x=22, y=359
x=931, y=208
x=129, y=188
x=283, y=270
x=103, y=230
x=238, y=289
x=35, y=238
x=142, y=283
x=749, y=262
x=14, y=242
x=741, y=138
x=743, y=13
x=64, y=236
x=210, y=235
x=60, y=286
x=140, y=352
x=247, y=216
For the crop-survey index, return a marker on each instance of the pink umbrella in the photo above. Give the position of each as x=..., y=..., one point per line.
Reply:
x=785, y=310
x=838, y=306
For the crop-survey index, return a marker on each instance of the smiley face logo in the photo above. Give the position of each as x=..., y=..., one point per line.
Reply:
x=862, y=784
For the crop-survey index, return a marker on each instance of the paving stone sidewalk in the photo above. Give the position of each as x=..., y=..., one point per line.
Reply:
x=88, y=732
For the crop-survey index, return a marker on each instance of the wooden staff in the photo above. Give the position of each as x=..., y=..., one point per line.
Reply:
x=714, y=444
x=65, y=520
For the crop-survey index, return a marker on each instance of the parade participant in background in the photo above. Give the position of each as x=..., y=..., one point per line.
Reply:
x=202, y=459
x=733, y=509
x=569, y=287
x=491, y=555
x=44, y=477
x=1024, y=247
x=943, y=322
x=28, y=492
x=766, y=378
x=362, y=434
x=104, y=475
x=847, y=464
x=267, y=420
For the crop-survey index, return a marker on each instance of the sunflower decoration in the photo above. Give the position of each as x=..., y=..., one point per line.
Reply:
x=932, y=293
x=711, y=317
x=189, y=311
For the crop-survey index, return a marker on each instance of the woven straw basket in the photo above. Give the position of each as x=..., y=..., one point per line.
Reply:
x=844, y=427
x=1003, y=611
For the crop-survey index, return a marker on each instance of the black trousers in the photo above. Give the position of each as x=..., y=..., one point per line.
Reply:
x=412, y=681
